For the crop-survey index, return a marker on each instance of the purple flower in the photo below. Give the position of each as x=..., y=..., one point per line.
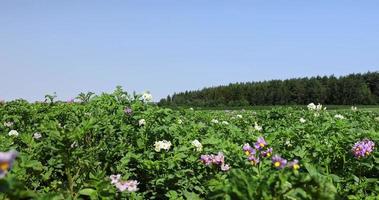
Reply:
x=206, y=159
x=248, y=149
x=266, y=153
x=128, y=111
x=253, y=160
x=6, y=162
x=294, y=164
x=363, y=148
x=260, y=144
x=279, y=162
x=71, y=101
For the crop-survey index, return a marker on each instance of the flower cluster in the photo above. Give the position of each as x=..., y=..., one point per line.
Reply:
x=37, y=135
x=218, y=159
x=147, y=97
x=354, y=108
x=314, y=107
x=130, y=185
x=142, y=122
x=6, y=162
x=13, y=133
x=8, y=124
x=198, y=145
x=225, y=122
x=363, y=148
x=162, y=145
x=257, y=127
x=215, y=121
x=280, y=163
x=339, y=116
x=259, y=150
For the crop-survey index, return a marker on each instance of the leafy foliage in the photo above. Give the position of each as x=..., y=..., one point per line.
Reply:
x=82, y=144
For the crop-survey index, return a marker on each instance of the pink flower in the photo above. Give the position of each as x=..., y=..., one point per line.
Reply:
x=219, y=158
x=131, y=186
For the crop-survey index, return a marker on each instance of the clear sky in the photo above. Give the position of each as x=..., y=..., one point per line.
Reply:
x=166, y=46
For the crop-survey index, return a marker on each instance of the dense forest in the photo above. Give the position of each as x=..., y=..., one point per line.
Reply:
x=353, y=89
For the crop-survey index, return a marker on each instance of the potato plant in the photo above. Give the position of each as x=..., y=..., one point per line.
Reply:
x=120, y=146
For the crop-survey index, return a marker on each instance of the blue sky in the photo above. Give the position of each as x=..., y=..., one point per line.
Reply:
x=166, y=46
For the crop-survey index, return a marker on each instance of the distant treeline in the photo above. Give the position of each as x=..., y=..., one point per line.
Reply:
x=353, y=89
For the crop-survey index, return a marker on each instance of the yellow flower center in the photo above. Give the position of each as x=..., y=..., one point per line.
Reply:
x=261, y=144
x=367, y=153
x=247, y=153
x=4, y=166
x=296, y=166
x=268, y=154
x=253, y=163
x=277, y=164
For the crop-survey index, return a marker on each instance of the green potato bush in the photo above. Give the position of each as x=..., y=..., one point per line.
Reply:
x=83, y=143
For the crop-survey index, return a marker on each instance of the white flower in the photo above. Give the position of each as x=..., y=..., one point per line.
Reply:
x=191, y=108
x=339, y=116
x=225, y=122
x=302, y=120
x=141, y=122
x=147, y=97
x=132, y=185
x=37, y=135
x=215, y=121
x=13, y=133
x=312, y=106
x=353, y=108
x=197, y=144
x=180, y=121
x=74, y=144
x=162, y=145
x=257, y=127
x=115, y=178
x=8, y=124
x=319, y=107
x=225, y=167
x=316, y=114
x=239, y=116
x=288, y=143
